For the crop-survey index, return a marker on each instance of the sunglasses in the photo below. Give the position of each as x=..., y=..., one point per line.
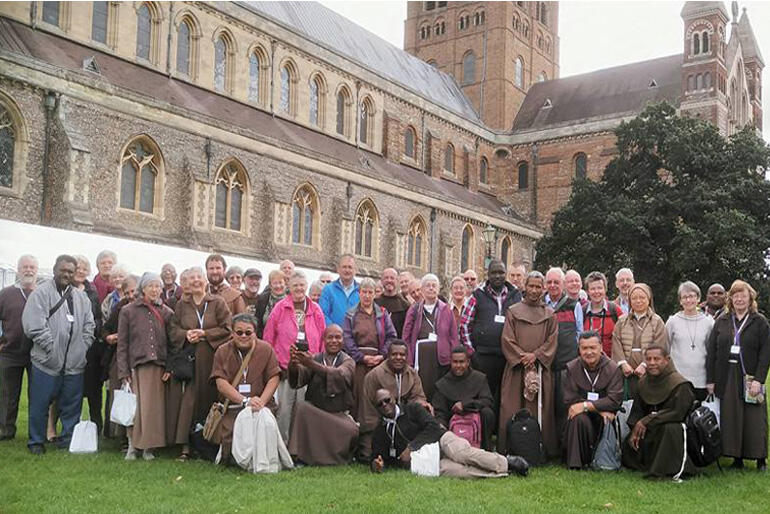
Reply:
x=242, y=333
x=384, y=401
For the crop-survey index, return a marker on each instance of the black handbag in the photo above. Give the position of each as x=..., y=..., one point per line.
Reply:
x=181, y=363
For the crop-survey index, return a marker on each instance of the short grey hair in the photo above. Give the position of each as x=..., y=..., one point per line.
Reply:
x=316, y=285
x=195, y=269
x=120, y=269
x=27, y=258
x=688, y=287
x=297, y=274
x=429, y=277
x=83, y=261
x=555, y=270
x=104, y=254
x=534, y=274
x=147, y=278
x=622, y=271
x=233, y=269
x=367, y=283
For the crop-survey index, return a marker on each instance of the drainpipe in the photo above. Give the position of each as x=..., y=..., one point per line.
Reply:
x=432, y=232
x=207, y=150
x=49, y=102
x=533, y=196
x=424, y=142
x=168, y=39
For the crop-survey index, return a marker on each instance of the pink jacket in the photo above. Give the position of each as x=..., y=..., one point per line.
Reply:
x=281, y=329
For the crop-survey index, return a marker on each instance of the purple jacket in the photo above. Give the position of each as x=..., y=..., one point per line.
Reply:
x=446, y=331
x=385, y=332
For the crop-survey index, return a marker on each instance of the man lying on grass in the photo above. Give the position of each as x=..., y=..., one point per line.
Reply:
x=403, y=431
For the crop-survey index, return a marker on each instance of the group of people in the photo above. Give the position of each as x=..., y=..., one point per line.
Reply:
x=373, y=370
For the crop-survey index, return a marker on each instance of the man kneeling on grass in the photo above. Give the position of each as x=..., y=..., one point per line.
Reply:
x=402, y=432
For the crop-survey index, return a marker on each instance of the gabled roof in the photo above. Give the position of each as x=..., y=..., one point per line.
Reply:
x=748, y=40
x=603, y=94
x=323, y=26
x=692, y=9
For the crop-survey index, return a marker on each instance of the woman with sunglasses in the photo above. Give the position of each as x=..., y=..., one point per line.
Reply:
x=202, y=320
x=256, y=384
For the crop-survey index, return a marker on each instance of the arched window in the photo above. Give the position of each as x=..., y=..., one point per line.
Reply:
x=7, y=148
x=540, y=40
x=505, y=250
x=516, y=22
x=288, y=78
x=548, y=45
x=483, y=170
x=466, y=248
x=99, y=14
x=140, y=169
x=518, y=76
x=690, y=83
x=409, y=142
x=366, y=229
x=543, y=13
x=695, y=44
x=449, y=159
x=542, y=77
x=705, y=41
x=523, y=175
x=317, y=95
x=144, y=32
x=223, y=50
x=469, y=68
x=257, y=62
x=366, y=122
x=343, y=111
x=51, y=13
x=304, y=216
x=231, y=185
x=707, y=80
x=581, y=165
x=698, y=81
x=526, y=30
x=183, y=44
x=415, y=242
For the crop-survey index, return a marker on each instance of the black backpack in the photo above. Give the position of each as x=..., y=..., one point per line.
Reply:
x=611, y=307
x=524, y=438
x=704, y=440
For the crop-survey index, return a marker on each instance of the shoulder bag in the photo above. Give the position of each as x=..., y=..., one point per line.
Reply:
x=217, y=410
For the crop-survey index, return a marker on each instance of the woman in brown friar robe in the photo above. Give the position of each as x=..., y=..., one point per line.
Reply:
x=529, y=345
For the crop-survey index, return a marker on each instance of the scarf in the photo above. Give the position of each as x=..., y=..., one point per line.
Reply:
x=655, y=390
x=271, y=301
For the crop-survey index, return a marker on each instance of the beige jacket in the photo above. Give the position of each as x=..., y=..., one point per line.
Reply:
x=632, y=336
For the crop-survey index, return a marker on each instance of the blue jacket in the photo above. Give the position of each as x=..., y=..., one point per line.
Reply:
x=334, y=303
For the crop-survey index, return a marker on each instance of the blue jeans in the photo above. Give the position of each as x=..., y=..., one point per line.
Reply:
x=67, y=390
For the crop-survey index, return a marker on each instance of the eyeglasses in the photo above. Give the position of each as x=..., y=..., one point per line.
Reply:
x=241, y=333
x=384, y=401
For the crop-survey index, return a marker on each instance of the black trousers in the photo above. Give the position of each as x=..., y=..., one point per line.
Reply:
x=492, y=366
x=560, y=409
x=11, y=376
x=93, y=383
x=488, y=424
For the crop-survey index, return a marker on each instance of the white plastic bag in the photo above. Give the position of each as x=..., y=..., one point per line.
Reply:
x=425, y=461
x=85, y=438
x=257, y=444
x=623, y=419
x=712, y=402
x=123, y=406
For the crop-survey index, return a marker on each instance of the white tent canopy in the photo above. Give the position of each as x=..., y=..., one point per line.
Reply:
x=47, y=243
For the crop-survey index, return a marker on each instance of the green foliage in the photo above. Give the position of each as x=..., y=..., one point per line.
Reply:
x=679, y=202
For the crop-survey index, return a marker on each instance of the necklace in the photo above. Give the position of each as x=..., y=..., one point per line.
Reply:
x=691, y=334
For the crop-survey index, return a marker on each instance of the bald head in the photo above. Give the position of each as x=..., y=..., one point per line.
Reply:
x=332, y=339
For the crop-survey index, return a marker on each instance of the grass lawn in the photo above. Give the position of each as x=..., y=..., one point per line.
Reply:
x=59, y=482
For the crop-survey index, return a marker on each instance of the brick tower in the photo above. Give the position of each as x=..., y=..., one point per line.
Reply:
x=495, y=50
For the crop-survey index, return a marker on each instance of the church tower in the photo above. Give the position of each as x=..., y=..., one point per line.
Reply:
x=494, y=50
x=704, y=73
x=754, y=63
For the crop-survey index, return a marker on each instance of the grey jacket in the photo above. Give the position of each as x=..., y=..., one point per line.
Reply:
x=52, y=347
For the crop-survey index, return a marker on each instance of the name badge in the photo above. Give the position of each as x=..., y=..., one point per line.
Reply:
x=735, y=349
x=300, y=336
x=432, y=337
x=244, y=389
x=70, y=318
x=499, y=319
x=636, y=349
x=392, y=452
x=592, y=397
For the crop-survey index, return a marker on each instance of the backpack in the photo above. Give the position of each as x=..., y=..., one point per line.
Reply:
x=704, y=440
x=611, y=307
x=607, y=451
x=467, y=426
x=524, y=438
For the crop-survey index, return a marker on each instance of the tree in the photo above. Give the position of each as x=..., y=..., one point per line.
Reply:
x=679, y=202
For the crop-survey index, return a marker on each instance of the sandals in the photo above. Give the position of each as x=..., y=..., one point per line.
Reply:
x=184, y=457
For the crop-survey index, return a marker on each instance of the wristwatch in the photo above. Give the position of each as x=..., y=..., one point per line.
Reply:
x=585, y=406
x=245, y=401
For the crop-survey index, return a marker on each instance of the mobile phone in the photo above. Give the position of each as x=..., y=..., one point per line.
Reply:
x=302, y=346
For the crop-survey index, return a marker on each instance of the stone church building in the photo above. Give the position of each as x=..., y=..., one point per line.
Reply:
x=283, y=130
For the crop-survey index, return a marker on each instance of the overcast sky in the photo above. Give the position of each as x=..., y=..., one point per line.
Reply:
x=593, y=35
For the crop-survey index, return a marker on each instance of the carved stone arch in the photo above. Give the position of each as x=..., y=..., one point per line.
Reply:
x=141, y=176
x=14, y=138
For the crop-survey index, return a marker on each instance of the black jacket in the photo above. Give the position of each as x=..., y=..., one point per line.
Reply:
x=755, y=349
x=485, y=333
x=471, y=389
x=415, y=428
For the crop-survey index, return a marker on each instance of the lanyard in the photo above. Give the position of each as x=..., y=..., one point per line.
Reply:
x=398, y=386
x=427, y=318
x=201, y=316
x=737, y=330
x=334, y=362
x=499, y=299
x=246, y=369
x=592, y=382
x=22, y=293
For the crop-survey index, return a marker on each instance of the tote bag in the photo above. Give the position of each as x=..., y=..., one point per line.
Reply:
x=84, y=438
x=123, y=406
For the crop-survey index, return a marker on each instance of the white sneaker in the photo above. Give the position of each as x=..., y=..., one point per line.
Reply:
x=147, y=455
x=131, y=454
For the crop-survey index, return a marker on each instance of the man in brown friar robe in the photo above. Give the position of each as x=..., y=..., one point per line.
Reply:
x=215, y=274
x=323, y=433
x=403, y=382
x=661, y=404
x=529, y=345
x=592, y=392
